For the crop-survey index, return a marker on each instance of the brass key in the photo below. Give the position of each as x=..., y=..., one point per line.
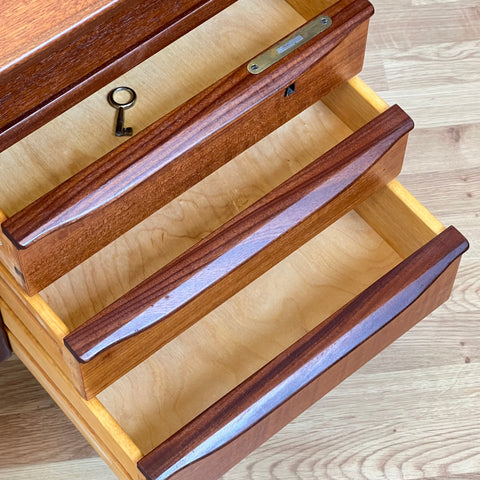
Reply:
x=120, y=130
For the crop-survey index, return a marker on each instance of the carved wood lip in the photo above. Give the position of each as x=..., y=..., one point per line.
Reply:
x=383, y=132
x=307, y=359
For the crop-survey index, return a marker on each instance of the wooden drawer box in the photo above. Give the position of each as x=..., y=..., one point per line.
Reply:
x=46, y=238
x=197, y=406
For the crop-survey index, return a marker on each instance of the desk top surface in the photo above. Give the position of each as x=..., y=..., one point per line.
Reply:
x=28, y=25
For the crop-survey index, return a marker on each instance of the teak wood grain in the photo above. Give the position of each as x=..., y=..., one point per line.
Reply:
x=227, y=260
x=242, y=420
x=67, y=225
x=74, y=62
x=5, y=349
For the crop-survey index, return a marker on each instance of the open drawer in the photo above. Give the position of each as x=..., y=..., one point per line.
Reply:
x=316, y=316
x=343, y=297
x=216, y=392
x=54, y=55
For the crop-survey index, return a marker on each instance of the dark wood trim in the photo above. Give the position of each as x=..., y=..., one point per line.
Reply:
x=227, y=260
x=5, y=349
x=91, y=209
x=54, y=78
x=242, y=420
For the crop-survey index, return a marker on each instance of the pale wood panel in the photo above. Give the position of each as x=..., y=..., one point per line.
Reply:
x=430, y=59
x=86, y=469
x=402, y=25
x=369, y=428
x=435, y=106
x=400, y=219
x=44, y=436
x=124, y=469
x=91, y=418
x=443, y=149
x=15, y=381
x=443, y=58
x=462, y=187
x=310, y=8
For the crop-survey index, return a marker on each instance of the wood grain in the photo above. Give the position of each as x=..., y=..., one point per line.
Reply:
x=60, y=230
x=191, y=286
x=35, y=418
x=119, y=469
x=91, y=418
x=54, y=57
x=26, y=27
x=233, y=427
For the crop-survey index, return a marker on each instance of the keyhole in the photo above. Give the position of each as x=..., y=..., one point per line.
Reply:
x=289, y=90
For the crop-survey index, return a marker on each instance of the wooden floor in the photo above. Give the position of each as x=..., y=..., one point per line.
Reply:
x=414, y=411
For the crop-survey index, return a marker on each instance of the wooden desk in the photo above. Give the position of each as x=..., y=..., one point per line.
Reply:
x=414, y=411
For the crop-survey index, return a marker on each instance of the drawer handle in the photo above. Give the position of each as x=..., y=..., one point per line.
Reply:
x=264, y=403
x=210, y=272
x=73, y=221
x=5, y=349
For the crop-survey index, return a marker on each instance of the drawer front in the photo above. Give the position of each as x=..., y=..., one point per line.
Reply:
x=238, y=423
x=242, y=420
